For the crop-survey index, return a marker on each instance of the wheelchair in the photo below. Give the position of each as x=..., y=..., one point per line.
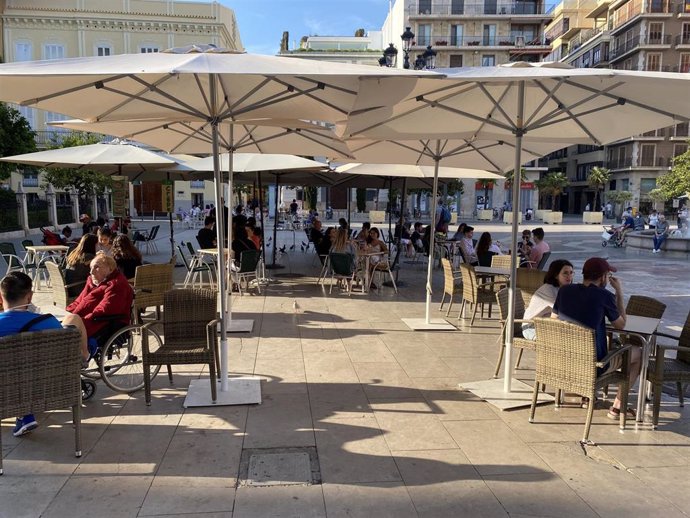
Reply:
x=119, y=358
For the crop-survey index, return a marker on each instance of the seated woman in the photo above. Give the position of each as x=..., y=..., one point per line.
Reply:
x=486, y=249
x=78, y=263
x=106, y=294
x=559, y=274
x=240, y=243
x=126, y=256
x=341, y=243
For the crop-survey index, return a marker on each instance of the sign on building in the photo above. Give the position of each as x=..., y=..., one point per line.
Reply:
x=168, y=195
x=120, y=196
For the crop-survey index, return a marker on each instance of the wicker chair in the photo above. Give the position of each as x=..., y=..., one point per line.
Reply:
x=451, y=281
x=529, y=281
x=475, y=293
x=151, y=281
x=567, y=360
x=189, y=335
x=61, y=296
x=518, y=341
x=500, y=261
x=663, y=370
x=31, y=382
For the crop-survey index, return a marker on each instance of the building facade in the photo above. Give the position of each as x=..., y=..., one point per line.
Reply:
x=56, y=29
x=652, y=35
x=360, y=50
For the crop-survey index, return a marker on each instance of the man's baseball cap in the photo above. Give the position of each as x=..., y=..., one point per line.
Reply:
x=83, y=217
x=596, y=267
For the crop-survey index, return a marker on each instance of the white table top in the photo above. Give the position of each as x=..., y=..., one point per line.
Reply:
x=640, y=325
x=47, y=248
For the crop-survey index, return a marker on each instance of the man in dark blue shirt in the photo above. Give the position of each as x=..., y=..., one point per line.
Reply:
x=591, y=304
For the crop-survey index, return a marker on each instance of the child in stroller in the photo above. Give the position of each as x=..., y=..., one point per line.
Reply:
x=614, y=234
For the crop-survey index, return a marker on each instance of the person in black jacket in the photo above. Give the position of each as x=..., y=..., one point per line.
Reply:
x=206, y=236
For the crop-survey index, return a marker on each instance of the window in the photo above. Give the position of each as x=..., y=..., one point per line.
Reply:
x=103, y=50
x=53, y=51
x=625, y=184
x=585, y=60
x=685, y=34
x=682, y=129
x=679, y=149
x=656, y=31
x=647, y=184
x=596, y=55
x=148, y=49
x=455, y=61
x=424, y=34
x=488, y=60
x=647, y=153
x=22, y=52
x=457, y=7
x=424, y=7
x=653, y=62
x=489, y=35
x=684, y=63
x=456, y=34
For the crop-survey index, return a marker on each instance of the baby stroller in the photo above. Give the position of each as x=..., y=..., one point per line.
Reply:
x=612, y=234
x=50, y=238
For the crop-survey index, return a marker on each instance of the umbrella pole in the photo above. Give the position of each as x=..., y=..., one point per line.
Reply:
x=508, y=366
x=275, y=228
x=172, y=232
x=390, y=214
x=432, y=229
x=261, y=216
x=231, y=186
x=349, y=197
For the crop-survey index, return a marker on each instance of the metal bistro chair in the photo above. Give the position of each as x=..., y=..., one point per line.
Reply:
x=382, y=267
x=519, y=342
x=196, y=268
x=343, y=267
x=664, y=370
x=451, y=280
x=567, y=360
x=190, y=336
x=31, y=381
x=12, y=261
x=248, y=269
x=475, y=293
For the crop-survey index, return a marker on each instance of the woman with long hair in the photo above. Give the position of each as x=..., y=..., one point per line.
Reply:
x=126, y=255
x=559, y=274
x=486, y=249
x=78, y=263
x=341, y=242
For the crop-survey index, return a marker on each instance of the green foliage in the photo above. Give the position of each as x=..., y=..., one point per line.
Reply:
x=361, y=199
x=359, y=33
x=619, y=197
x=16, y=137
x=552, y=185
x=455, y=187
x=510, y=175
x=597, y=180
x=677, y=182
x=82, y=181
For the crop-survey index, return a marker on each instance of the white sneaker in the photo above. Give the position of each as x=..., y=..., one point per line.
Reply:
x=654, y=250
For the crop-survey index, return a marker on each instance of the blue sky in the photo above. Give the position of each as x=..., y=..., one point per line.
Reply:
x=262, y=22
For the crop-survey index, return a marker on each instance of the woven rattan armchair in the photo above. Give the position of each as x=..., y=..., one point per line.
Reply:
x=500, y=261
x=151, y=282
x=32, y=380
x=529, y=281
x=61, y=296
x=519, y=342
x=451, y=280
x=189, y=335
x=567, y=360
x=475, y=293
x=664, y=370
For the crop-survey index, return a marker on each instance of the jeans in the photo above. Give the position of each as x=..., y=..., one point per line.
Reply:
x=658, y=241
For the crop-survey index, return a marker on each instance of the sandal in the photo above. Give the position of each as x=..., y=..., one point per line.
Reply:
x=615, y=413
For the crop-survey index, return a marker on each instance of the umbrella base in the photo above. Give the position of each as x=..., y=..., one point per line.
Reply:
x=239, y=325
x=492, y=391
x=436, y=324
x=241, y=391
x=275, y=266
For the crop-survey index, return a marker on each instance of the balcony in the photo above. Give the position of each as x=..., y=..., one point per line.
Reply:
x=628, y=163
x=559, y=29
x=624, y=47
x=423, y=8
x=682, y=39
x=30, y=181
x=196, y=184
x=481, y=41
x=657, y=39
x=635, y=8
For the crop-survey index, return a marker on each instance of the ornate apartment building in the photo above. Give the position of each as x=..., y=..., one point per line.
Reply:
x=55, y=29
x=651, y=35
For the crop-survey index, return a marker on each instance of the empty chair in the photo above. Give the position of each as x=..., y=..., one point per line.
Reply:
x=61, y=290
x=519, y=342
x=247, y=269
x=500, y=261
x=12, y=261
x=151, y=282
x=567, y=360
x=475, y=293
x=33, y=380
x=451, y=280
x=196, y=269
x=189, y=332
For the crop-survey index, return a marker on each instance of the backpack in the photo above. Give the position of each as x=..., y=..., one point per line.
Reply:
x=445, y=214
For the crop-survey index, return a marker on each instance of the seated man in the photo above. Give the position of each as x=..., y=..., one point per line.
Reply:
x=206, y=236
x=590, y=304
x=538, y=250
x=417, y=237
x=627, y=226
x=20, y=316
x=106, y=299
x=467, y=246
x=316, y=233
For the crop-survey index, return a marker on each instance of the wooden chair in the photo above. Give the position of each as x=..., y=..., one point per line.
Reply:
x=451, y=280
x=519, y=342
x=668, y=370
x=33, y=380
x=151, y=282
x=567, y=360
x=189, y=335
x=475, y=293
x=61, y=296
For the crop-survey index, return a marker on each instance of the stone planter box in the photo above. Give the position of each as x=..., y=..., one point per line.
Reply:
x=539, y=213
x=453, y=218
x=485, y=215
x=640, y=242
x=592, y=218
x=377, y=216
x=553, y=218
x=508, y=217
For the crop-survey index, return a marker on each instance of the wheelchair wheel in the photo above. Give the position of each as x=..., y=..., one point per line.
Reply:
x=88, y=389
x=121, y=363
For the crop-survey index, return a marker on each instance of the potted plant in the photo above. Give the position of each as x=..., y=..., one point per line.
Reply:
x=505, y=43
x=441, y=43
x=473, y=43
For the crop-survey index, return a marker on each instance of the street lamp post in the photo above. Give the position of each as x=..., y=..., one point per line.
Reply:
x=427, y=60
x=407, y=38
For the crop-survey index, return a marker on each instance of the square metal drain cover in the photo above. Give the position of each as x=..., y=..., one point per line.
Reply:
x=279, y=467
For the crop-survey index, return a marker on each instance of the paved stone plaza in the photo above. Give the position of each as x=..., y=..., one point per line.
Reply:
x=375, y=407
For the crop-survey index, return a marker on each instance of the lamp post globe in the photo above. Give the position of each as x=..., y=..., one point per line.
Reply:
x=429, y=57
x=391, y=56
x=407, y=38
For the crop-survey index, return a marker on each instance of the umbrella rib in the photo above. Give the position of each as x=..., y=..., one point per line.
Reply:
x=153, y=87
x=129, y=98
x=246, y=96
x=320, y=83
x=483, y=155
x=569, y=111
x=388, y=120
x=581, y=114
x=92, y=84
x=549, y=95
x=470, y=115
x=316, y=138
x=204, y=97
x=497, y=106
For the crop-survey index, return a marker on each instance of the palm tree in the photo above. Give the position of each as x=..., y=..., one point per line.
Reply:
x=597, y=179
x=486, y=184
x=555, y=183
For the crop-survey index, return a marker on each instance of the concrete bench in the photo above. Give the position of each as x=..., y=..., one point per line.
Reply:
x=508, y=217
x=553, y=218
x=641, y=242
x=592, y=218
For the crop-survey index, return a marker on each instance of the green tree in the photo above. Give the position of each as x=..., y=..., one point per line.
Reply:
x=359, y=33
x=676, y=183
x=16, y=137
x=310, y=195
x=619, y=197
x=597, y=180
x=361, y=194
x=553, y=184
x=511, y=174
x=83, y=181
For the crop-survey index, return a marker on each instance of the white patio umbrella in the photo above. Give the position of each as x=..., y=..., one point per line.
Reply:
x=417, y=172
x=200, y=83
x=547, y=103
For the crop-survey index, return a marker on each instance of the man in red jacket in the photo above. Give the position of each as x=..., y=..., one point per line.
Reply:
x=106, y=293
